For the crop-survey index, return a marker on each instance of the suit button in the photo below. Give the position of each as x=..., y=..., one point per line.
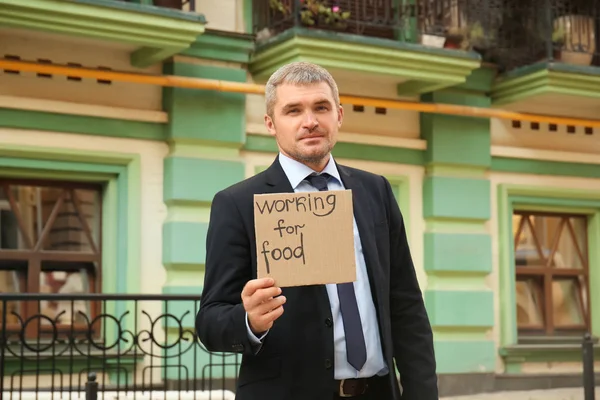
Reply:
x=328, y=364
x=329, y=322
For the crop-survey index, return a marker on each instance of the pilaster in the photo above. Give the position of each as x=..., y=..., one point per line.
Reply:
x=457, y=242
x=205, y=132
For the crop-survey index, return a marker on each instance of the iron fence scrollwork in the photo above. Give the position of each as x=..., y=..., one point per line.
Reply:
x=128, y=343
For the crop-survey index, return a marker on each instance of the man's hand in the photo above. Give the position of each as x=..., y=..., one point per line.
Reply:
x=261, y=304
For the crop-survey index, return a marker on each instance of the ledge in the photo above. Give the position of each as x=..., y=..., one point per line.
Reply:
x=156, y=33
x=553, y=84
x=522, y=353
x=222, y=46
x=420, y=69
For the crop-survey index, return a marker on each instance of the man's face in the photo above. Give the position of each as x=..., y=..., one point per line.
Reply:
x=305, y=122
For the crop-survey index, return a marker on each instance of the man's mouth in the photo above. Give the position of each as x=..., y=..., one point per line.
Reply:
x=311, y=137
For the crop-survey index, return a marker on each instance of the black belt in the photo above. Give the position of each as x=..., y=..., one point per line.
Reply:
x=352, y=387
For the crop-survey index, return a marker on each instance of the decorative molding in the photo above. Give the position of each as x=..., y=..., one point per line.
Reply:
x=549, y=78
x=90, y=110
x=401, y=61
x=222, y=46
x=545, y=155
x=544, y=353
x=157, y=33
x=82, y=124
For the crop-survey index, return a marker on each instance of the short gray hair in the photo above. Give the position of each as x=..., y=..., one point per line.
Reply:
x=298, y=73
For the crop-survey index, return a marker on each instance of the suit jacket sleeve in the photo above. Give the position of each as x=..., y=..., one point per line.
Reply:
x=411, y=331
x=221, y=319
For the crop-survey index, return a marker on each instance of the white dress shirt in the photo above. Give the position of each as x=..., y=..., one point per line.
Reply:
x=296, y=173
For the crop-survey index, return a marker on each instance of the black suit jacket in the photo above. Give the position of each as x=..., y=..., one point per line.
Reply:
x=296, y=358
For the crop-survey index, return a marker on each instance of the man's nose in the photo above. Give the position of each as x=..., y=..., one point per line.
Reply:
x=310, y=122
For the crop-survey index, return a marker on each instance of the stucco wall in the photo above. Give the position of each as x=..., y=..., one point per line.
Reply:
x=152, y=208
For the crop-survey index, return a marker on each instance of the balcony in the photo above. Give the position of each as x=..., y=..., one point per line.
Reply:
x=420, y=45
x=151, y=32
x=59, y=346
x=551, y=59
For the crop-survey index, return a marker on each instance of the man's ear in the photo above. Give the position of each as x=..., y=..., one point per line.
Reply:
x=340, y=116
x=270, y=124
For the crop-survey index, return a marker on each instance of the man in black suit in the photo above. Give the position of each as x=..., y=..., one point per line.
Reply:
x=317, y=342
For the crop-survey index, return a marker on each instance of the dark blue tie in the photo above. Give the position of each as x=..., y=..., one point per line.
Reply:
x=355, y=341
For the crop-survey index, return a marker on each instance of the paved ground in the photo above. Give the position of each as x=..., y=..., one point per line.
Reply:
x=556, y=394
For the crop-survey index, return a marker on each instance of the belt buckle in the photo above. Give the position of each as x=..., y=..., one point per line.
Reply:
x=344, y=394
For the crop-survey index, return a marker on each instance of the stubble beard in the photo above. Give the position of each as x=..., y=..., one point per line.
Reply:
x=314, y=158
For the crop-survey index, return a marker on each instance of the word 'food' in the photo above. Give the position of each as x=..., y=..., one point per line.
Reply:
x=286, y=253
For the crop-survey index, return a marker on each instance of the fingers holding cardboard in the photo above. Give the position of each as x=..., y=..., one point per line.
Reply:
x=260, y=323
x=261, y=303
x=259, y=296
x=253, y=285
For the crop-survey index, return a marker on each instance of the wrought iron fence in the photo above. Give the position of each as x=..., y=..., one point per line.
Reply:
x=459, y=24
x=535, y=31
x=135, y=345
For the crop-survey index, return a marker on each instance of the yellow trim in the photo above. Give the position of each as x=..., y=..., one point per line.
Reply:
x=251, y=88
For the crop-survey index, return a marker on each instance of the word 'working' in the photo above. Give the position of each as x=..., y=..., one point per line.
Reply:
x=320, y=206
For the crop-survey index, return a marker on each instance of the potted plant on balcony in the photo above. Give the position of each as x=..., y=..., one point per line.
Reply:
x=315, y=13
x=318, y=13
x=441, y=26
x=278, y=6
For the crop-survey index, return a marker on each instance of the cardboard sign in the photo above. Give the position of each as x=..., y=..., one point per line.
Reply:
x=305, y=238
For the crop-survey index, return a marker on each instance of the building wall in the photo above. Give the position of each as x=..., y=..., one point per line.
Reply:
x=560, y=186
x=180, y=146
x=133, y=211
x=150, y=272
x=77, y=52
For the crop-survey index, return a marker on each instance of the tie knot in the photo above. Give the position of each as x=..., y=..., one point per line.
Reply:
x=318, y=181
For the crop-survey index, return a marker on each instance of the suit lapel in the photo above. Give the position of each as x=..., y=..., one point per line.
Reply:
x=276, y=179
x=364, y=221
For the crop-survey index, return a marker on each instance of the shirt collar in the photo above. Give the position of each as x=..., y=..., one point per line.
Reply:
x=296, y=172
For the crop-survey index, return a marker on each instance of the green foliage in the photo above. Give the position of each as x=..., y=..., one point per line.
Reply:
x=317, y=13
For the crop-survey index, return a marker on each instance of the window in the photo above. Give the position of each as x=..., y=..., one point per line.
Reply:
x=50, y=243
x=551, y=263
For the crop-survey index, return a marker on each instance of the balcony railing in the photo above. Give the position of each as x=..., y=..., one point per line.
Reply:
x=184, y=5
x=132, y=344
x=459, y=24
x=534, y=31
